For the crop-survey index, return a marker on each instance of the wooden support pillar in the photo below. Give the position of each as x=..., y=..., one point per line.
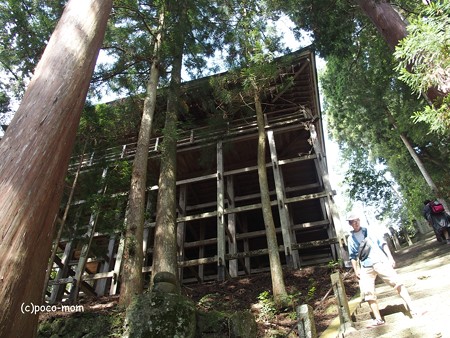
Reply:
x=306, y=325
x=201, y=253
x=342, y=302
x=221, y=264
x=58, y=289
x=149, y=227
x=62, y=222
x=247, y=263
x=292, y=257
x=333, y=214
x=232, y=243
x=181, y=227
x=100, y=287
x=117, y=266
x=85, y=249
x=145, y=245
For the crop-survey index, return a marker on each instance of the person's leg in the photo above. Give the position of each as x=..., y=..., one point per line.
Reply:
x=367, y=286
x=375, y=309
x=446, y=235
x=403, y=292
x=390, y=277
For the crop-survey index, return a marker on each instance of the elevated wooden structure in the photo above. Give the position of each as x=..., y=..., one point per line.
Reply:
x=221, y=233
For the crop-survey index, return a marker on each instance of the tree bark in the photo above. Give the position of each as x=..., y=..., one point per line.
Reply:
x=35, y=154
x=276, y=271
x=393, y=29
x=386, y=20
x=165, y=242
x=131, y=276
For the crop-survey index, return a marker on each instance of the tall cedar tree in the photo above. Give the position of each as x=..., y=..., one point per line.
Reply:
x=252, y=46
x=35, y=154
x=165, y=243
x=132, y=279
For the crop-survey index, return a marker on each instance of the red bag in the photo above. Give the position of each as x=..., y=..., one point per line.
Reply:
x=436, y=207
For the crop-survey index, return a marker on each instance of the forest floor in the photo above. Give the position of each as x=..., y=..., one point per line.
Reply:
x=423, y=266
x=309, y=285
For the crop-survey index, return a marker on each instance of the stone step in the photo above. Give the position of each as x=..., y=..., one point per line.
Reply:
x=387, y=306
x=400, y=328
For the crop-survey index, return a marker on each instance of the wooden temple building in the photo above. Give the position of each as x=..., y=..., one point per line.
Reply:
x=221, y=233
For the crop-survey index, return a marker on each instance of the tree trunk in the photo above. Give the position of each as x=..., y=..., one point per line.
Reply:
x=418, y=162
x=392, y=28
x=131, y=275
x=276, y=271
x=165, y=243
x=35, y=154
x=386, y=20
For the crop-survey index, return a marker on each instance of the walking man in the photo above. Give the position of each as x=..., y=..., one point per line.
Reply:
x=379, y=262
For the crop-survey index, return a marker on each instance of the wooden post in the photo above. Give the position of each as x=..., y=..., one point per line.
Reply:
x=232, y=244
x=201, y=253
x=292, y=258
x=58, y=289
x=306, y=325
x=86, y=247
x=181, y=227
x=221, y=264
x=247, y=262
x=342, y=302
x=61, y=226
x=117, y=266
x=100, y=288
x=323, y=173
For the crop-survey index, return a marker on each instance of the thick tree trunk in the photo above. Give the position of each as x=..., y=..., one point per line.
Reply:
x=35, y=154
x=392, y=28
x=131, y=276
x=165, y=244
x=386, y=19
x=276, y=271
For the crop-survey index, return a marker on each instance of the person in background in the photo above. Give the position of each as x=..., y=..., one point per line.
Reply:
x=379, y=262
x=440, y=222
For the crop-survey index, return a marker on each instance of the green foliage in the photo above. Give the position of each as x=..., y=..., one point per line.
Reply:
x=424, y=62
x=368, y=109
x=312, y=289
x=426, y=49
x=335, y=265
x=438, y=118
x=268, y=306
x=26, y=28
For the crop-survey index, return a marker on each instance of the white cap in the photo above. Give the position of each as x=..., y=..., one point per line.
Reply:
x=352, y=216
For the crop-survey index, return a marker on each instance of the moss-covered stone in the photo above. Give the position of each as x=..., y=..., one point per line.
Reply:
x=159, y=314
x=155, y=314
x=84, y=325
x=222, y=324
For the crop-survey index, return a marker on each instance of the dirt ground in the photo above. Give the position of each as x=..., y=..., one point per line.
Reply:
x=311, y=285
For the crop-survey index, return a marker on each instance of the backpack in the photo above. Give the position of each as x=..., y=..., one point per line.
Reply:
x=436, y=207
x=364, y=249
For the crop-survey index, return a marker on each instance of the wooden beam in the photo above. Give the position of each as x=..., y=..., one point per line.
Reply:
x=181, y=226
x=221, y=264
x=231, y=227
x=292, y=259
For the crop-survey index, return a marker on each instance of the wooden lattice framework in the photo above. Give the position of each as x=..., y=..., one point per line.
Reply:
x=221, y=233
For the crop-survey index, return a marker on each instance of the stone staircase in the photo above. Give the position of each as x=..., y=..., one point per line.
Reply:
x=424, y=269
x=398, y=321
